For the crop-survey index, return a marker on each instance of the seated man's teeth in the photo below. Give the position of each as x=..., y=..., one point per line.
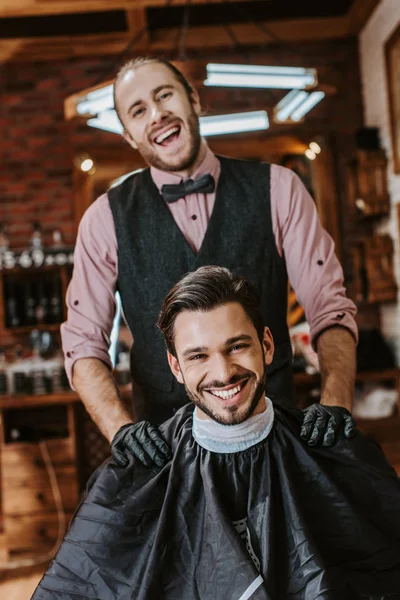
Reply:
x=164, y=136
x=227, y=394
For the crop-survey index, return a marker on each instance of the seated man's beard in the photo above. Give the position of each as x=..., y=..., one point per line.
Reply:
x=250, y=407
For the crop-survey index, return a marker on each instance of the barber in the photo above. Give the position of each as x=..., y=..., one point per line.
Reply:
x=192, y=208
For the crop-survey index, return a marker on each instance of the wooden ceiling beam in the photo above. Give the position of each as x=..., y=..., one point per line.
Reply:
x=164, y=40
x=137, y=22
x=359, y=13
x=26, y=8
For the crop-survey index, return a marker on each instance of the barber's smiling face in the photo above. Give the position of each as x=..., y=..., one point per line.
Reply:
x=222, y=362
x=159, y=117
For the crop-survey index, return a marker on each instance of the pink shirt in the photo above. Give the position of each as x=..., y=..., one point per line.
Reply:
x=313, y=268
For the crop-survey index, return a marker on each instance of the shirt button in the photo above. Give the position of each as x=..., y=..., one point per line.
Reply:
x=69, y=354
x=194, y=217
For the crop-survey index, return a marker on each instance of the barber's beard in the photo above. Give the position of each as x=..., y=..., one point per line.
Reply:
x=153, y=159
x=241, y=416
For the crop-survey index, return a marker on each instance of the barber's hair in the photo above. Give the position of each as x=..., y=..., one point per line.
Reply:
x=203, y=290
x=140, y=61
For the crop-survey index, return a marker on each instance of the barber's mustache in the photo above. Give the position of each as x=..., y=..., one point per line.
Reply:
x=234, y=379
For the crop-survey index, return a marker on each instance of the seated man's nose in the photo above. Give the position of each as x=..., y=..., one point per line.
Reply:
x=223, y=370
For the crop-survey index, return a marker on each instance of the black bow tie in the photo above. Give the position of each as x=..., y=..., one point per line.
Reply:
x=204, y=185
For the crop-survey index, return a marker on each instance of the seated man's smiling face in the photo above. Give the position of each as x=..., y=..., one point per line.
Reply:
x=222, y=362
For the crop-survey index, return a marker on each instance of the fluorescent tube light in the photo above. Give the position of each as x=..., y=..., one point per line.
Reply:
x=108, y=121
x=259, y=76
x=288, y=104
x=215, y=125
x=234, y=123
x=97, y=101
x=307, y=105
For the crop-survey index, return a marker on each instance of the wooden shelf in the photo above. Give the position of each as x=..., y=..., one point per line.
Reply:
x=307, y=379
x=29, y=328
x=20, y=401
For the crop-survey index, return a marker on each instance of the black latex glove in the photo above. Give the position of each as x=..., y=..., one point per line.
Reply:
x=143, y=441
x=321, y=424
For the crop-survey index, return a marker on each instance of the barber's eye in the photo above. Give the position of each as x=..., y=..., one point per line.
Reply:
x=165, y=96
x=137, y=112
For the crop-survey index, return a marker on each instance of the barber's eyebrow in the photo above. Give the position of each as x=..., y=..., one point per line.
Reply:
x=156, y=90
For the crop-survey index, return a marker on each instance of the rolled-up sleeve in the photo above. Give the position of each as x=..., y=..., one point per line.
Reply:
x=90, y=296
x=313, y=268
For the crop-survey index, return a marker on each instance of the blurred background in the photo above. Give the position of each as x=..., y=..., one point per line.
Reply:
x=60, y=148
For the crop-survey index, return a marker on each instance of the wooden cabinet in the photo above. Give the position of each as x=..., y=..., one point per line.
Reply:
x=367, y=184
x=39, y=478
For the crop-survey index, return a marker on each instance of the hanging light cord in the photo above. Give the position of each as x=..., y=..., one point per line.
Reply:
x=244, y=12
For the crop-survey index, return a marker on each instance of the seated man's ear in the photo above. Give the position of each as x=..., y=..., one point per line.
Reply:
x=268, y=346
x=174, y=366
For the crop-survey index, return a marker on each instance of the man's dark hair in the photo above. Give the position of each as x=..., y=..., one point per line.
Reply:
x=140, y=61
x=203, y=290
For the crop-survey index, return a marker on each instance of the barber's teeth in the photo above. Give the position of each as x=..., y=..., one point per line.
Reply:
x=226, y=393
x=164, y=135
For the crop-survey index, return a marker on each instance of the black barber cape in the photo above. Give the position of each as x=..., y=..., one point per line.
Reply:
x=278, y=521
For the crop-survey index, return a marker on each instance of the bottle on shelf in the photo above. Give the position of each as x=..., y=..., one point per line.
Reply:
x=12, y=309
x=55, y=302
x=30, y=303
x=42, y=306
x=21, y=379
x=4, y=388
x=36, y=238
x=57, y=239
x=4, y=243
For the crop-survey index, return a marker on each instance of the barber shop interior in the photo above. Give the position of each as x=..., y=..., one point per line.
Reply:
x=199, y=300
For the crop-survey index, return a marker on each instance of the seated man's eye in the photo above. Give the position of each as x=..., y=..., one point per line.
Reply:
x=197, y=357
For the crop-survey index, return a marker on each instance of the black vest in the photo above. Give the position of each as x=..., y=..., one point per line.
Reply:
x=153, y=255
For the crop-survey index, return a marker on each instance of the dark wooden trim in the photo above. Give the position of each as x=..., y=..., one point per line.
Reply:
x=393, y=95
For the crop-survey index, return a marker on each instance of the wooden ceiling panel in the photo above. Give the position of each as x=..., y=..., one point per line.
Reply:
x=199, y=40
x=23, y=8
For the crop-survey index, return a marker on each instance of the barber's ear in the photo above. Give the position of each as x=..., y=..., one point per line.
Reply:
x=268, y=346
x=128, y=138
x=195, y=101
x=174, y=366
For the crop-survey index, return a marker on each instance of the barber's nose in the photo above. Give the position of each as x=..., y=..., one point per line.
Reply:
x=157, y=114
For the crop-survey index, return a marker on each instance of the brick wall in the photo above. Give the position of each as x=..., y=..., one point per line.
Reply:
x=36, y=153
x=372, y=39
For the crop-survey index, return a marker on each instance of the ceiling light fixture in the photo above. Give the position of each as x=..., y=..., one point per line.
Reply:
x=310, y=154
x=234, y=123
x=258, y=76
x=316, y=148
x=313, y=99
x=215, y=125
x=295, y=105
x=96, y=102
x=288, y=104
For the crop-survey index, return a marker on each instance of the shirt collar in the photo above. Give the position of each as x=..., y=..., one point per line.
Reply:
x=209, y=165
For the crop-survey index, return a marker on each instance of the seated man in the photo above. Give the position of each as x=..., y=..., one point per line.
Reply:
x=245, y=509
